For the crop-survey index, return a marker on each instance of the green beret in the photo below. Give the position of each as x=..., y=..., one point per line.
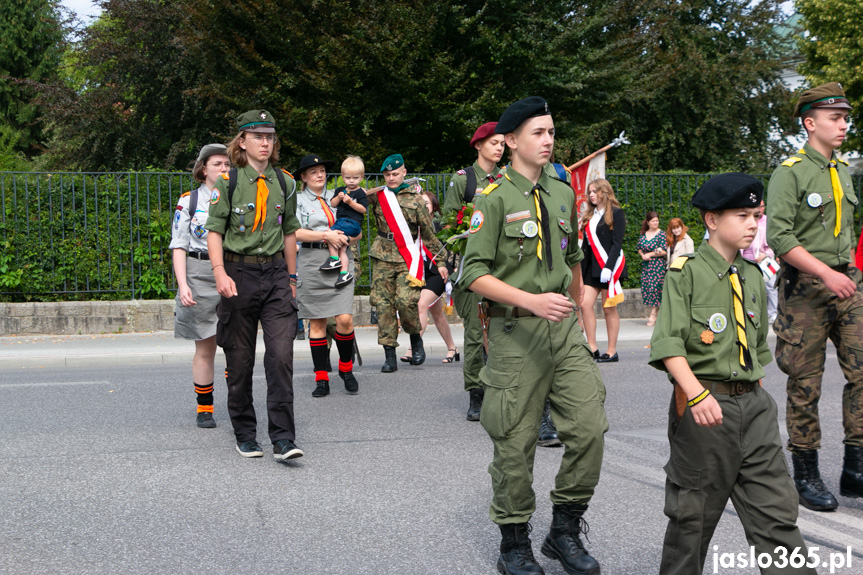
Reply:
x=825, y=96
x=393, y=162
x=259, y=121
x=729, y=191
x=517, y=113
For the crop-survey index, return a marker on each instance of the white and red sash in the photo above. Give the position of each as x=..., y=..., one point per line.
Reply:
x=409, y=248
x=615, y=290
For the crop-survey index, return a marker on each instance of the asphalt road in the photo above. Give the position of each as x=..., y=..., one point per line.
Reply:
x=102, y=470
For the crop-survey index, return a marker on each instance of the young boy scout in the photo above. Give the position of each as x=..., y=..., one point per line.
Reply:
x=395, y=285
x=489, y=147
x=810, y=221
x=523, y=257
x=255, y=269
x=711, y=338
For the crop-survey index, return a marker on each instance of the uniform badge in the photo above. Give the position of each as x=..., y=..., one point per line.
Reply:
x=179, y=207
x=451, y=184
x=177, y=219
x=563, y=209
x=717, y=323
x=200, y=231
x=814, y=200
x=278, y=206
x=250, y=206
x=263, y=115
x=707, y=337
x=563, y=243
x=476, y=221
x=751, y=314
x=529, y=229
x=242, y=228
x=561, y=221
x=517, y=216
x=214, y=198
x=280, y=219
x=236, y=210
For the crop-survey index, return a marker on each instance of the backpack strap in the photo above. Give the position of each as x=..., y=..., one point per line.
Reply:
x=470, y=186
x=193, y=202
x=232, y=185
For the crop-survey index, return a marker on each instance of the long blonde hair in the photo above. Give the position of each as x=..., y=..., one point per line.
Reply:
x=606, y=201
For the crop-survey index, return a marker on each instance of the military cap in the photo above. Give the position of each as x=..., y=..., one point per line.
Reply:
x=311, y=161
x=393, y=162
x=482, y=133
x=518, y=112
x=212, y=150
x=729, y=191
x=825, y=96
x=259, y=121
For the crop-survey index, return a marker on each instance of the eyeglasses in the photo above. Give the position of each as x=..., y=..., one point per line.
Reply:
x=258, y=138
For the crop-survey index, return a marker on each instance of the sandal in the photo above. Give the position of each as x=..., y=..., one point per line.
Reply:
x=407, y=357
x=449, y=358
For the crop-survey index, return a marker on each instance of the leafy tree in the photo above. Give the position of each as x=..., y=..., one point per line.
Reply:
x=833, y=51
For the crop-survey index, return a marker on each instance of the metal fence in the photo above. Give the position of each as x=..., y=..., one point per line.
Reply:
x=70, y=236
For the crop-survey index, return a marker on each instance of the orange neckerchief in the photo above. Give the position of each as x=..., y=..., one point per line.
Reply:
x=331, y=219
x=261, y=203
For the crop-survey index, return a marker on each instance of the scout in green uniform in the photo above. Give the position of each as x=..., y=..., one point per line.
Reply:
x=711, y=338
x=403, y=221
x=810, y=219
x=253, y=250
x=523, y=257
x=484, y=171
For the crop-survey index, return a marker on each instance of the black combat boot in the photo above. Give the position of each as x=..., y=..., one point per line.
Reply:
x=807, y=480
x=390, y=360
x=547, y=432
x=564, y=540
x=419, y=353
x=516, y=554
x=476, y=395
x=851, y=482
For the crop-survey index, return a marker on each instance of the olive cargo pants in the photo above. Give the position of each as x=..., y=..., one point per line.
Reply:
x=467, y=309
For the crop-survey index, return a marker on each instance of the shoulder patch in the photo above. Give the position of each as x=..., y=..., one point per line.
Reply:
x=489, y=189
x=461, y=173
x=287, y=173
x=791, y=161
x=184, y=194
x=678, y=263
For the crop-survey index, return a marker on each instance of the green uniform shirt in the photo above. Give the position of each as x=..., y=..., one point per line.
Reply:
x=697, y=302
x=281, y=213
x=505, y=224
x=417, y=217
x=801, y=210
x=454, y=199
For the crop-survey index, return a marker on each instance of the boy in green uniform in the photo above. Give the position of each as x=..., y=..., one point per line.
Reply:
x=523, y=257
x=403, y=222
x=489, y=147
x=255, y=267
x=711, y=338
x=810, y=221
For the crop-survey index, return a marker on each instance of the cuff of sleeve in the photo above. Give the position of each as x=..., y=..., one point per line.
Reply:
x=784, y=246
x=666, y=347
x=215, y=225
x=764, y=356
x=470, y=275
x=573, y=259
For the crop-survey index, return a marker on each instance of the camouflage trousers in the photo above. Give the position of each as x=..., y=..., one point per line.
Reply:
x=390, y=293
x=809, y=314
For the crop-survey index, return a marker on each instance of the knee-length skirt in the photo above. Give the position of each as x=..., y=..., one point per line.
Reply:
x=197, y=321
x=316, y=294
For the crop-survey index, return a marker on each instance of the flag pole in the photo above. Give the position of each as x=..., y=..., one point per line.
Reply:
x=618, y=141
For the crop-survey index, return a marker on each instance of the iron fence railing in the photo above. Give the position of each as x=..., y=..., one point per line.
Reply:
x=106, y=235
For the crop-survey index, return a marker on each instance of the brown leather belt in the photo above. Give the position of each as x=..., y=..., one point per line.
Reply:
x=500, y=311
x=728, y=387
x=232, y=257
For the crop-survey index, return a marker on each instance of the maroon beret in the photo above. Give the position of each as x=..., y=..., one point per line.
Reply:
x=482, y=133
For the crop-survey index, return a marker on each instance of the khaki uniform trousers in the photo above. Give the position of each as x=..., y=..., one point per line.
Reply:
x=531, y=359
x=467, y=309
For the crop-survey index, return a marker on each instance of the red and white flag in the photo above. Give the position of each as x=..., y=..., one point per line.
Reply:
x=581, y=177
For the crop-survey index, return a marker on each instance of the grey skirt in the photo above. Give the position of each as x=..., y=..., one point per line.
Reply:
x=197, y=321
x=316, y=294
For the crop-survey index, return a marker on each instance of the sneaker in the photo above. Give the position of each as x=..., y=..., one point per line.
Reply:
x=323, y=388
x=331, y=265
x=344, y=279
x=284, y=449
x=205, y=420
x=250, y=448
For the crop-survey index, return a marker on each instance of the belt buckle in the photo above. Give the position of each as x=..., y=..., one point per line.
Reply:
x=741, y=387
x=262, y=259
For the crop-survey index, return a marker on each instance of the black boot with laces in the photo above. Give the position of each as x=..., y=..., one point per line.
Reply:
x=564, y=540
x=516, y=554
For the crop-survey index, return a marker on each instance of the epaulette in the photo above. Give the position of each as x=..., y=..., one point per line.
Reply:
x=225, y=176
x=184, y=194
x=679, y=262
x=791, y=161
x=489, y=189
x=288, y=173
x=461, y=173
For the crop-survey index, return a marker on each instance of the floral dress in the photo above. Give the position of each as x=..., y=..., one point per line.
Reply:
x=652, y=270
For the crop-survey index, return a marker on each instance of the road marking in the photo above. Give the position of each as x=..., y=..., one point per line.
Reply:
x=52, y=384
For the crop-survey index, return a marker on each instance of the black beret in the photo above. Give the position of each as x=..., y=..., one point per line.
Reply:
x=520, y=111
x=311, y=161
x=729, y=191
x=825, y=96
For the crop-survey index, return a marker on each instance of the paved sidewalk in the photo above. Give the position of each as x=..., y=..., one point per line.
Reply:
x=161, y=347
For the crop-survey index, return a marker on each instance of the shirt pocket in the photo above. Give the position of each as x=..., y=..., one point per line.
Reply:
x=516, y=231
x=241, y=215
x=712, y=318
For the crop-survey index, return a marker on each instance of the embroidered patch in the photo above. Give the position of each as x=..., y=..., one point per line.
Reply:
x=561, y=222
x=563, y=243
x=814, y=200
x=200, y=231
x=214, y=198
x=280, y=219
x=242, y=228
x=751, y=314
x=529, y=229
x=476, y=221
x=278, y=206
x=176, y=218
x=718, y=323
x=517, y=216
x=179, y=207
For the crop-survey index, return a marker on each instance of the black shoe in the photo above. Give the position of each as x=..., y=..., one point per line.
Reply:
x=564, y=540
x=344, y=279
x=851, y=481
x=595, y=354
x=205, y=420
x=352, y=386
x=418, y=353
x=547, y=432
x=807, y=479
x=516, y=554
x=322, y=389
x=475, y=406
x=301, y=335
x=390, y=360
x=605, y=358
x=284, y=449
x=331, y=265
x=250, y=448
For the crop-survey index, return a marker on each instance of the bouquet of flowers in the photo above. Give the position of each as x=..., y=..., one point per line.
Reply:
x=455, y=229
